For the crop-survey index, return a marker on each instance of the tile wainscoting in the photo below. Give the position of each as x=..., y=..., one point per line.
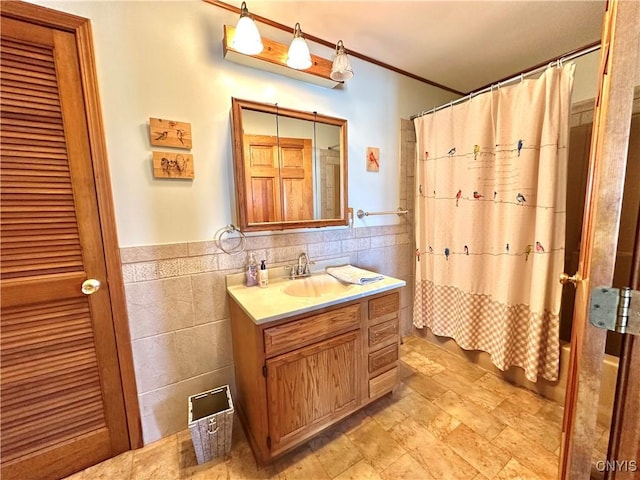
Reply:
x=178, y=314
x=177, y=303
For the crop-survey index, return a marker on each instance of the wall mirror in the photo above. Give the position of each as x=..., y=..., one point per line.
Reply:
x=290, y=167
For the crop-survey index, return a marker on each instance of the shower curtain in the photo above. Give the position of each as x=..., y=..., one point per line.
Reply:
x=490, y=221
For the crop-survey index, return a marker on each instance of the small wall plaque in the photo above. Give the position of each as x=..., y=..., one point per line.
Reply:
x=173, y=165
x=169, y=133
x=373, y=159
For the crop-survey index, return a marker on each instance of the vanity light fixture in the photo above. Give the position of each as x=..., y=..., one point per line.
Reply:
x=298, y=56
x=273, y=59
x=341, y=69
x=247, y=38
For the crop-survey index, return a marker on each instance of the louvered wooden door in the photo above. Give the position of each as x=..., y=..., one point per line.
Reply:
x=61, y=392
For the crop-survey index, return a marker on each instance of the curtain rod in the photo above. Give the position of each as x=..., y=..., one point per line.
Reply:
x=320, y=41
x=520, y=76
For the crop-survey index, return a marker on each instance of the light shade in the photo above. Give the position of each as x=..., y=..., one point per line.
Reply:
x=247, y=38
x=298, y=56
x=341, y=69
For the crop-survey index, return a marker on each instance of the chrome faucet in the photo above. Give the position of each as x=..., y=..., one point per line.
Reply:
x=303, y=264
x=302, y=269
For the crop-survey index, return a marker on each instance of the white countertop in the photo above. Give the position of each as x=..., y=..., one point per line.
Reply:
x=273, y=303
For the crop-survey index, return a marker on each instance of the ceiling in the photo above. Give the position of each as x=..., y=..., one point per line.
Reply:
x=463, y=45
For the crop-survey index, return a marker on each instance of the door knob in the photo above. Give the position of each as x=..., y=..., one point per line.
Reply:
x=565, y=279
x=90, y=286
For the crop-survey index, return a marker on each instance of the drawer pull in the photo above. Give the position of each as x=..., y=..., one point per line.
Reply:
x=383, y=357
x=383, y=332
x=381, y=306
x=299, y=333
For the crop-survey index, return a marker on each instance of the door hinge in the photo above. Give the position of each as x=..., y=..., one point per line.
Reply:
x=615, y=309
x=264, y=371
x=268, y=442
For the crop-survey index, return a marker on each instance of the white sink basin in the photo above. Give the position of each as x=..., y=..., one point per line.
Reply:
x=284, y=297
x=316, y=286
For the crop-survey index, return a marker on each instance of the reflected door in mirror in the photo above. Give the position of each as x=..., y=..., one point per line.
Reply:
x=262, y=178
x=280, y=180
x=297, y=178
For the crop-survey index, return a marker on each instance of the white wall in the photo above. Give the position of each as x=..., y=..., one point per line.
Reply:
x=165, y=59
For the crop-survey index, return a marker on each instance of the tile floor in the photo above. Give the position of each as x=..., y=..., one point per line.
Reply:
x=447, y=420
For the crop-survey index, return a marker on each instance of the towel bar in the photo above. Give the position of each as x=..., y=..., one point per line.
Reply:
x=361, y=213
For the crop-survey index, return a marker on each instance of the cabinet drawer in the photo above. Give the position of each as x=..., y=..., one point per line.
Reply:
x=383, y=357
x=384, y=308
x=383, y=383
x=383, y=333
x=299, y=333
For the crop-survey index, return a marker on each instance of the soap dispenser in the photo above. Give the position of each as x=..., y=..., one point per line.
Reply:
x=263, y=275
x=252, y=271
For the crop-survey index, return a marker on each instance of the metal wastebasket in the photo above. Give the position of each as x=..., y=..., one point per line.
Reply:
x=210, y=423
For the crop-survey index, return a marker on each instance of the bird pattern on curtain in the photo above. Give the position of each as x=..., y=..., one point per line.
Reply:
x=490, y=221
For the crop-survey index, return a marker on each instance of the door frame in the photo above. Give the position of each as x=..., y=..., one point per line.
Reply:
x=625, y=426
x=81, y=28
x=607, y=164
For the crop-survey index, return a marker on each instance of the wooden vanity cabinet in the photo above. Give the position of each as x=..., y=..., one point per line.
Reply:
x=297, y=376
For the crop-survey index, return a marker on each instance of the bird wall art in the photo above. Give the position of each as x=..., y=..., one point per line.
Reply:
x=373, y=159
x=169, y=133
x=173, y=165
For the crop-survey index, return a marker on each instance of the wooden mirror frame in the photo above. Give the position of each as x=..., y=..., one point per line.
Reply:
x=237, y=107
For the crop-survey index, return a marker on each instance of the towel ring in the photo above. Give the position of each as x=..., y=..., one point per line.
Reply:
x=235, y=250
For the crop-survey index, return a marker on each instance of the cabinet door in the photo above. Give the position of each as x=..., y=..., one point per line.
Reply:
x=311, y=387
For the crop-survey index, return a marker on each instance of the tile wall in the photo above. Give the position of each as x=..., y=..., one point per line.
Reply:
x=177, y=305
